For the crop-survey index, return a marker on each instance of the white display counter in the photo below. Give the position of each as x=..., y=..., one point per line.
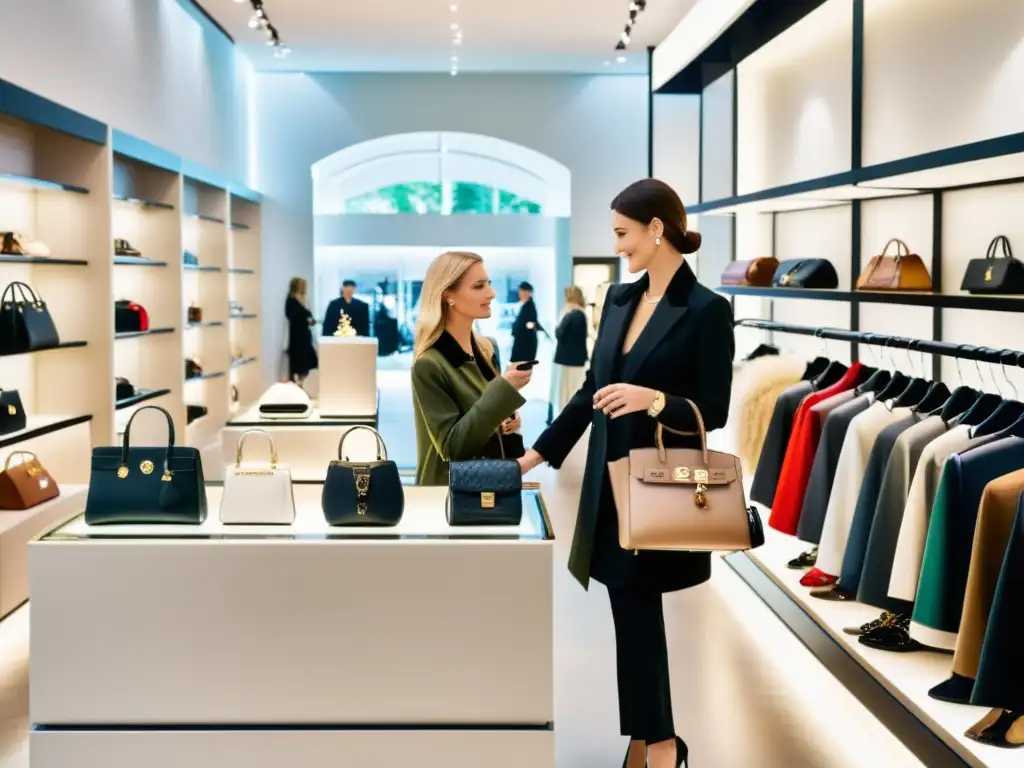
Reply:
x=219, y=645
x=347, y=375
x=307, y=446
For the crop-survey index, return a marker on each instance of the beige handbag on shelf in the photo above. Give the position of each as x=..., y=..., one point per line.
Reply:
x=257, y=494
x=683, y=499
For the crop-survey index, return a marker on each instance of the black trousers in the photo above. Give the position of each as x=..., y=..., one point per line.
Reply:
x=645, y=701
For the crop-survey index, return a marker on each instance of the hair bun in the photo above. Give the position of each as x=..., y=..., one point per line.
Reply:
x=691, y=242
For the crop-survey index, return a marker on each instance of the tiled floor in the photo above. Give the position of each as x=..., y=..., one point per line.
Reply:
x=747, y=694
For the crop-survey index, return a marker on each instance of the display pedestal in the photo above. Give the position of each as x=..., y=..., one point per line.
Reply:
x=306, y=446
x=420, y=644
x=348, y=376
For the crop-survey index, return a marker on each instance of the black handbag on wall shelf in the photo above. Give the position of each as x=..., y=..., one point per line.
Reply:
x=146, y=484
x=805, y=273
x=12, y=413
x=485, y=492
x=992, y=274
x=363, y=492
x=25, y=322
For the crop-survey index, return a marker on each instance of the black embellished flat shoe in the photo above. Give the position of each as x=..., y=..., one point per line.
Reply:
x=999, y=728
x=895, y=639
x=887, y=617
x=805, y=560
x=835, y=594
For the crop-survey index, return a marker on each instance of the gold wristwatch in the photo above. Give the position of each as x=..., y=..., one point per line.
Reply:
x=657, y=406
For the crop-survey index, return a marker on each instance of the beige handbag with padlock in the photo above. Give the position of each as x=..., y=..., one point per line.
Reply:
x=683, y=499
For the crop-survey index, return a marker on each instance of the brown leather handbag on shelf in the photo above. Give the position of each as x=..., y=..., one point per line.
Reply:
x=27, y=484
x=683, y=499
x=903, y=272
x=756, y=272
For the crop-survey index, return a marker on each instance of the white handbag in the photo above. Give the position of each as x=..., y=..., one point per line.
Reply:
x=285, y=400
x=257, y=494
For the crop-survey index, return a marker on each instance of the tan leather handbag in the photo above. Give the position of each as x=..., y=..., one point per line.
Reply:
x=26, y=484
x=903, y=272
x=756, y=272
x=683, y=499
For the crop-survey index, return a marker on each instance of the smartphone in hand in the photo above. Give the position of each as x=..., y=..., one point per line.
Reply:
x=527, y=365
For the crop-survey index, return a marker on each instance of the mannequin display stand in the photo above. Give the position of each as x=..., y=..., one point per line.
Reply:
x=348, y=376
x=248, y=645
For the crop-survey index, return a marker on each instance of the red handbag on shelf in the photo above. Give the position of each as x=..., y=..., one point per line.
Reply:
x=130, y=317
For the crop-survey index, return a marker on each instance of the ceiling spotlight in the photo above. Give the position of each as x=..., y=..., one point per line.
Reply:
x=453, y=7
x=624, y=38
x=641, y=4
x=620, y=46
x=633, y=7
x=254, y=22
x=239, y=1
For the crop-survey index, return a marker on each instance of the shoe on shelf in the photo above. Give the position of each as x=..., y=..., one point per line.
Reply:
x=804, y=560
x=955, y=690
x=818, y=578
x=887, y=618
x=999, y=728
x=835, y=593
x=124, y=248
x=896, y=639
x=19, y=245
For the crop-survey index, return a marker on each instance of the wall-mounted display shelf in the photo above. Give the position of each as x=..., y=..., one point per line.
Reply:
x=77, y=185
x=62, y=345
x=6, y=258
x=210, y=324
x=241, y=271
x=239, y=362
x=904, y=298
x=140, y=396
x=205, y=376
x=202, y=268
x=244, y=316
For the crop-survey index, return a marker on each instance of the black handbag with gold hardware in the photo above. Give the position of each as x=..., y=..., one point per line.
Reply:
x=992, y=274
x=12, y=413
x=363, y=492
x=149, y=484
x=25, y=322
x=485, y=492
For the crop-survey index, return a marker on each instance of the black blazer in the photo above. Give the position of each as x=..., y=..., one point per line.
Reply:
x=524, y=339
x=358, y=310
x=571, y=337
x=686, y=351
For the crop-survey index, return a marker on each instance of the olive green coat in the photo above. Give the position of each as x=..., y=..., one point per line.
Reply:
x=458, y=409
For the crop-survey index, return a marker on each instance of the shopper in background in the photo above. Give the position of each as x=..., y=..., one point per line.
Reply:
x=463, y=408
x=302, y=357
x=570, y=350
x=662, y=340
x=525, y=327
x=357, y=311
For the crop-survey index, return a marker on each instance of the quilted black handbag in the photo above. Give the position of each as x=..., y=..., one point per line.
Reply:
x=12, y=414
x=805, y=273
x=363, y=492
x=150, y=484
x=992, y=274
x=25, y=322
x=485, y=492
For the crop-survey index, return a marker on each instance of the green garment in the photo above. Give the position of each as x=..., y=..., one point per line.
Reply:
x=457, y=412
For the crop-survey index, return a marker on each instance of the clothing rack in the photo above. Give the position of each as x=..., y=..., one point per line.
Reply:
x=928, y=346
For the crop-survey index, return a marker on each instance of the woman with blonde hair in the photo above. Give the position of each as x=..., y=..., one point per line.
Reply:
x=302, y=357
x=463, y=408
x=570, y=350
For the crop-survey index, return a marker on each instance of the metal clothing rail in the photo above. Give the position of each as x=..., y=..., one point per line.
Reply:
x=928, y=346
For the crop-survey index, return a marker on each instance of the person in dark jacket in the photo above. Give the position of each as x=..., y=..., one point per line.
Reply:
x=525, y=328
x=358, y=311
x=662, y=341
x=302, y=357
x=570, y=350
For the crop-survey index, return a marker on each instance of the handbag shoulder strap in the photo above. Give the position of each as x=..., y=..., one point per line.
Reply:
x=659, y=435
x=241, y=443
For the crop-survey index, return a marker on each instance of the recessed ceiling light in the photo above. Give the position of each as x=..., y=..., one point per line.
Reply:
x=606, y=63
x=453, y=7
x=457, y=41
x=455, y=25
x=455, y=59
x=621, y=59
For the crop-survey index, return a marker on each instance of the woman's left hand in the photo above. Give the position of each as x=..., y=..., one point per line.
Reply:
x=622, y=399
x=508, y=426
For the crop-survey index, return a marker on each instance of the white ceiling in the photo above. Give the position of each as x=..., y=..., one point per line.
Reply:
x=415, y=35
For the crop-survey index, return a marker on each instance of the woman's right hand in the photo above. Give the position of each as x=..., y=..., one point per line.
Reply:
x=529, y=460
x=517, y=378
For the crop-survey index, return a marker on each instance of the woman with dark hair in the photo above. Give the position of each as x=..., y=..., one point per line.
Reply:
x=302, y=357
x=662, y=340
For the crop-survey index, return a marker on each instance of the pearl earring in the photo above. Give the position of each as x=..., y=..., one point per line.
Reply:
x=657, y=241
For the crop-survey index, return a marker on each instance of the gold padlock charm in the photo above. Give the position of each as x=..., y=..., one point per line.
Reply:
x=700, y=496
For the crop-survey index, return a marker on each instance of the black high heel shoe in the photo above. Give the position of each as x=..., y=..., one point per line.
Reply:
x=682, y=753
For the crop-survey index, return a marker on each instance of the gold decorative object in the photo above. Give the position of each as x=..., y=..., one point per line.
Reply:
x=345, y=326
x=146, y=467
x=122, y=472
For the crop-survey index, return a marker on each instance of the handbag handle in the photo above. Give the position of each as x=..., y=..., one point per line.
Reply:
x=30, y=457
x=126, y=443
x=16, y=287
x=241, y=442
x=382, y=449
x=659, y=435
x=899, y=253
x=990, y=252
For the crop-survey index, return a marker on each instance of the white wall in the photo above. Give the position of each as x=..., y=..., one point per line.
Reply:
x=677, y=143
x=594, y=125
x=147, y=67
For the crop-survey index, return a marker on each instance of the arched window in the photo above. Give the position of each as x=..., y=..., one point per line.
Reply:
x=440, y=173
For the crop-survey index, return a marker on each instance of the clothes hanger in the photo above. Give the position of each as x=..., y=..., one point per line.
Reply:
x=962, y=398
x=915, y=390
x=833, y=372
x=1006, y=415
x=879, y=378
x=937, y=393
x=897, y=383
x=985, y=405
